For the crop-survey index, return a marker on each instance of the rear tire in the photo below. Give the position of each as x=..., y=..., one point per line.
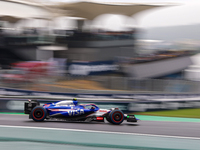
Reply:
x=38, y=113
x=116, y=116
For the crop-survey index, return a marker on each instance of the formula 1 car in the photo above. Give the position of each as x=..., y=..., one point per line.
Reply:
x=69, y=110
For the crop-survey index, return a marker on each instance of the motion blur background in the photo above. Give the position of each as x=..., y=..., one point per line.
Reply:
x=136, y=55
x=100, y=45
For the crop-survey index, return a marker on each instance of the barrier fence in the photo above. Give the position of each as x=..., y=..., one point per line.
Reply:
x=159, y=85
x=17, y=105
x=12, y=100
x=111, y=83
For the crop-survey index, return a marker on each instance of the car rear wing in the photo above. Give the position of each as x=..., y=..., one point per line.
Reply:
x=28, y=106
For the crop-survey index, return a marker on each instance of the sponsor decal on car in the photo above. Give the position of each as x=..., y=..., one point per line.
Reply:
x=76, y=112
x=71, y=112
x=102, y=110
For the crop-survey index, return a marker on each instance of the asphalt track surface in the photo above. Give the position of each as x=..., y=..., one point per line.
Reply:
x=183, y=129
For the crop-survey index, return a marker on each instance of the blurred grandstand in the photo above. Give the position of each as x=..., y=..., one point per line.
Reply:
x=47, y=59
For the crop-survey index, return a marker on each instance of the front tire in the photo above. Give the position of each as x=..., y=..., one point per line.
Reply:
x=38, y=113
x=116, y=116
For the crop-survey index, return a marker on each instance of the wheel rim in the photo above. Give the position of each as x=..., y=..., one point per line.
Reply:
x=38, y=114
x=117, y=117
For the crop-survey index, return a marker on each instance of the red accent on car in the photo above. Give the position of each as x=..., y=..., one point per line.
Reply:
x=99, y=118
x=102, y=110
x=55, y=110
x=46, y=105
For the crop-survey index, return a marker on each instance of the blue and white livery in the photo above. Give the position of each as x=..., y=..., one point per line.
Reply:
x=69, y=110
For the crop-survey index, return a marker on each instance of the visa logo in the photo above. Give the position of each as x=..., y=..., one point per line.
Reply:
x=75, y=112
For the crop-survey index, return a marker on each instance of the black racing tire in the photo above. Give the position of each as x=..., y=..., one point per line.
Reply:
x=116, y=117
x=108, y=118
x=38, y=113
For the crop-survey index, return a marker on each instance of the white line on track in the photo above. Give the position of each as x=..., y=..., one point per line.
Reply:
x=105, y=132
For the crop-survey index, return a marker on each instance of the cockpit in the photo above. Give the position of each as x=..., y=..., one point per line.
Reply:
x=64, y=103
x=89, y=106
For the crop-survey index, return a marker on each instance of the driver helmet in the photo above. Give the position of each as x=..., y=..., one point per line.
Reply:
x=74, y=99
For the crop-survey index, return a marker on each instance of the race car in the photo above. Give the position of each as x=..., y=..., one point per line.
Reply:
x=69, y=110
